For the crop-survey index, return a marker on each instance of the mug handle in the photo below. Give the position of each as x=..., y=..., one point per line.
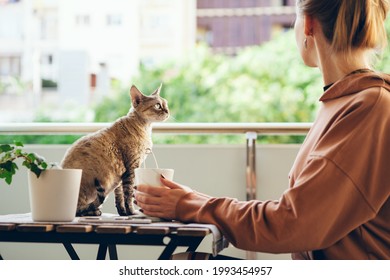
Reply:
x=149, y=151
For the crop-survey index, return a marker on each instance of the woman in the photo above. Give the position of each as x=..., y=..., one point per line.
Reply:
x=338, y=203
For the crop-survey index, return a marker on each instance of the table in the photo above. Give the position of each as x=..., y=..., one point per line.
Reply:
x=169, y=235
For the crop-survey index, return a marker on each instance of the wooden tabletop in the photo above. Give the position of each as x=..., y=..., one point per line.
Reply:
x=153, y=229
x=122, y=231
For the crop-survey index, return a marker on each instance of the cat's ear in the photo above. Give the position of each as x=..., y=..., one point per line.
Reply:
x=136, y=96
x=157, y=91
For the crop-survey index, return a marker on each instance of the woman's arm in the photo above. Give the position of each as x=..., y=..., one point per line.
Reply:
x=315, y=214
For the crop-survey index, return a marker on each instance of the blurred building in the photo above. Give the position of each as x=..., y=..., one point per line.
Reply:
x=67, y=42
x=81, y=46
x=229, y=25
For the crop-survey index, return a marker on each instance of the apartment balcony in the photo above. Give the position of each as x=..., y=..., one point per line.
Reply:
x=244, y=171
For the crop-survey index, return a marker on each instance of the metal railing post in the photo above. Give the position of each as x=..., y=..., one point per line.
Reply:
x=251, y=180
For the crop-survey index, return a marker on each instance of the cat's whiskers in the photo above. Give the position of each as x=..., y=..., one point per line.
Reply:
x=173, y=118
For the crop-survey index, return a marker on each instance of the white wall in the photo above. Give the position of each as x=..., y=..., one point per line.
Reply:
x=167, y=30
x=218, y=170
x=83, y=26
x=150, y=31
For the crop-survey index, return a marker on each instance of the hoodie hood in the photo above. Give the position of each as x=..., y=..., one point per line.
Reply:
x=352, y=84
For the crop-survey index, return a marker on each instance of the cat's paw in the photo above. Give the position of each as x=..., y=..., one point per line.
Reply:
x=128, y=212
x=89, y=213
x=121, y=211
x=132, y=211
x=136, y=212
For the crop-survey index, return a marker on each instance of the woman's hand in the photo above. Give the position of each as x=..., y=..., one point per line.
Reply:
x=160, y=201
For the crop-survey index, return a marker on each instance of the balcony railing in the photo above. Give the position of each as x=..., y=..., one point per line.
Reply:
x=174, y=128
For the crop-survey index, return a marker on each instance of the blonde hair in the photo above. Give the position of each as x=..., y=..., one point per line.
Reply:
x=350, y=24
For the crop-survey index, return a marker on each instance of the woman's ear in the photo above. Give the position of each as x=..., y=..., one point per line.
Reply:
x=308, y=22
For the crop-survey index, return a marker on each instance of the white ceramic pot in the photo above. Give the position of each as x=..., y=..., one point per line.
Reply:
x=54, y=195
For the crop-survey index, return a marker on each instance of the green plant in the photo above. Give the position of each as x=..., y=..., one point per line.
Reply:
x=9, y=153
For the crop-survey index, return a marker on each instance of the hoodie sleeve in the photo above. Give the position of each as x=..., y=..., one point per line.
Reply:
x=317, y=212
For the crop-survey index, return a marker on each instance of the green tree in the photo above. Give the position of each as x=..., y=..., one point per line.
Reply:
x=267, y=83
x=383, y=63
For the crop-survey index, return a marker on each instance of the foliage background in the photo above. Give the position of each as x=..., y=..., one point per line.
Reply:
x=267, y=83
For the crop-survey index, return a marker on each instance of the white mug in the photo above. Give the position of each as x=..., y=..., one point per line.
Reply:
x=151, y=176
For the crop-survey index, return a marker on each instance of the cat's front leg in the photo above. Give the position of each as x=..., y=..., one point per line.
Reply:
x=120, y=200
x=128, y=193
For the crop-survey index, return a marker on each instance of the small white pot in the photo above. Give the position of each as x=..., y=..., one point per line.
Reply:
x=54, y=195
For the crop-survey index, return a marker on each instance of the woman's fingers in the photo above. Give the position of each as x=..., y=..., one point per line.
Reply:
x=153, y=213
x=173, y=185
x=154, y=191
x=160, y=201
x=149, y=204
x=170, y=184
x=151, y=208
x=143, y=198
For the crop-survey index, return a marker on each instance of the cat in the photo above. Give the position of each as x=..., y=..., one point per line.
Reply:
x=109, y=156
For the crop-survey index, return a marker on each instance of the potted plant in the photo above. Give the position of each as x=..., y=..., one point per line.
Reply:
x=53, y=191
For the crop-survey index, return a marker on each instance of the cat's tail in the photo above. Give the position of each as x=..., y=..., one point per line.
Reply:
x=93, y=209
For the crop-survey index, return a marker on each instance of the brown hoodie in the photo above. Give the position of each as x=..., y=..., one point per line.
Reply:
x=338, y=203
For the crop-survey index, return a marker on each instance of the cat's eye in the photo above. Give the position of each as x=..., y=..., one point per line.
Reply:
x=157, y=106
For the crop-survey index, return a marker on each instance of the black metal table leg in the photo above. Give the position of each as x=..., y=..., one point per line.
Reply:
x=194, y=245
x=1, y=258
x=173, y=244
x=102, y=252
x=112, y=252
x=169, y=249
x=71, y=251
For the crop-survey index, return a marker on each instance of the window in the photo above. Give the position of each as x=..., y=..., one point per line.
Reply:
x=9, y=66
x=114, y=20
x=82, y=20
